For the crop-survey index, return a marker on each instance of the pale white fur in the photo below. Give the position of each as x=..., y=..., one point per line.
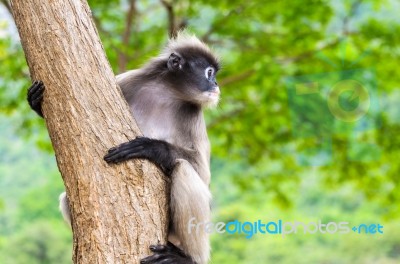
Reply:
x=64, y=208
x=190, y=198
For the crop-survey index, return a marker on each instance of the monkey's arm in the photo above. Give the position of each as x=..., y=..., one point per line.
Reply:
x=35, y=97
x=160, y=152
x=190, y=198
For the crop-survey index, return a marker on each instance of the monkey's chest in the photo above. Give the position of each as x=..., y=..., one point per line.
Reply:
x=158, y=126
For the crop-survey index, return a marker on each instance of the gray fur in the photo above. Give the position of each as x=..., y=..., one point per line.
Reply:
x=190, y=198
x=174, y=114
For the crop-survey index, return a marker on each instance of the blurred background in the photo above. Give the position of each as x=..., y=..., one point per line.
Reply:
x=308, y=127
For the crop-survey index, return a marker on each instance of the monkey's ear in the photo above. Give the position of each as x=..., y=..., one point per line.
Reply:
x=175, y=62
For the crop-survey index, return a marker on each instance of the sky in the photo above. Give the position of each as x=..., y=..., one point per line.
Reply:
x=7, y=25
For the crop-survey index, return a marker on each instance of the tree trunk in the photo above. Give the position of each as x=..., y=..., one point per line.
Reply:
x=118, y=210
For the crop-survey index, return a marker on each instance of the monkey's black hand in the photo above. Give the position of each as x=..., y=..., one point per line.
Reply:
x=157, y=151
x=35, y=97
x=167, y=254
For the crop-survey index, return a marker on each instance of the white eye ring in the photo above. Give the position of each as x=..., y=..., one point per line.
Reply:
x=209, y=72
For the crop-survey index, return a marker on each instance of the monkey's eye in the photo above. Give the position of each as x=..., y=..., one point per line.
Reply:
x=209, y=72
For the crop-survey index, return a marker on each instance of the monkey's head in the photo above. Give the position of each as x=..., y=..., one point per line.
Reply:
x=192, y=69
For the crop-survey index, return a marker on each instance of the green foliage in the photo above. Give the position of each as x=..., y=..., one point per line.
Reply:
x=312, y=204
x=31, y=228
x=41, y=203
x=42, y=242
x=264, y=134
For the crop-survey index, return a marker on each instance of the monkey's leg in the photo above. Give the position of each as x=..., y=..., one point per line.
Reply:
x=190, y=212
x=190, y=197
x=64, y=207
x=167, y=254
x=161, y=153
x=35, y=97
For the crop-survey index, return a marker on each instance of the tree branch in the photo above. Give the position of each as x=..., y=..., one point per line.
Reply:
x=236, y=78
x=108, y=35
x=171, y=18
x=307, y=54
x=130, y=16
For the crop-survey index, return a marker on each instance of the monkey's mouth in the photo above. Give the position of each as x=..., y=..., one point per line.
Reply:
x=211, y=98
x=214, y=92
x=213, y=95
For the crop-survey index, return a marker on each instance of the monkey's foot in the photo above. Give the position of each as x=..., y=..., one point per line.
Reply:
x=157, y=151
x=167, y=254
x=35, y=97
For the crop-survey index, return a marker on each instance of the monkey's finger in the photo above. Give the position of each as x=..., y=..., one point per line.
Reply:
x=123, y=156
x=113, y=159
x=112, y=149
x=152, y=259
x=124, y=151
x=168, y=261
x=163, y=259
x=175, y=250
x=169, y=248
x=131, y=147
x=35, y=98
x=117, y=159
x=36, y=88
x=35, y=102
x=158, y=248
x=37, y=94
x=127, y=145
x=139, y=140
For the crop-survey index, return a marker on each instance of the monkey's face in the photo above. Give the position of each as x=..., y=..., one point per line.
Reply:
x=195, y=78
x=205, y=83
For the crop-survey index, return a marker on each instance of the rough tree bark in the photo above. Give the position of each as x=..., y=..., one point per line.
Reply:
x=119, y=210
